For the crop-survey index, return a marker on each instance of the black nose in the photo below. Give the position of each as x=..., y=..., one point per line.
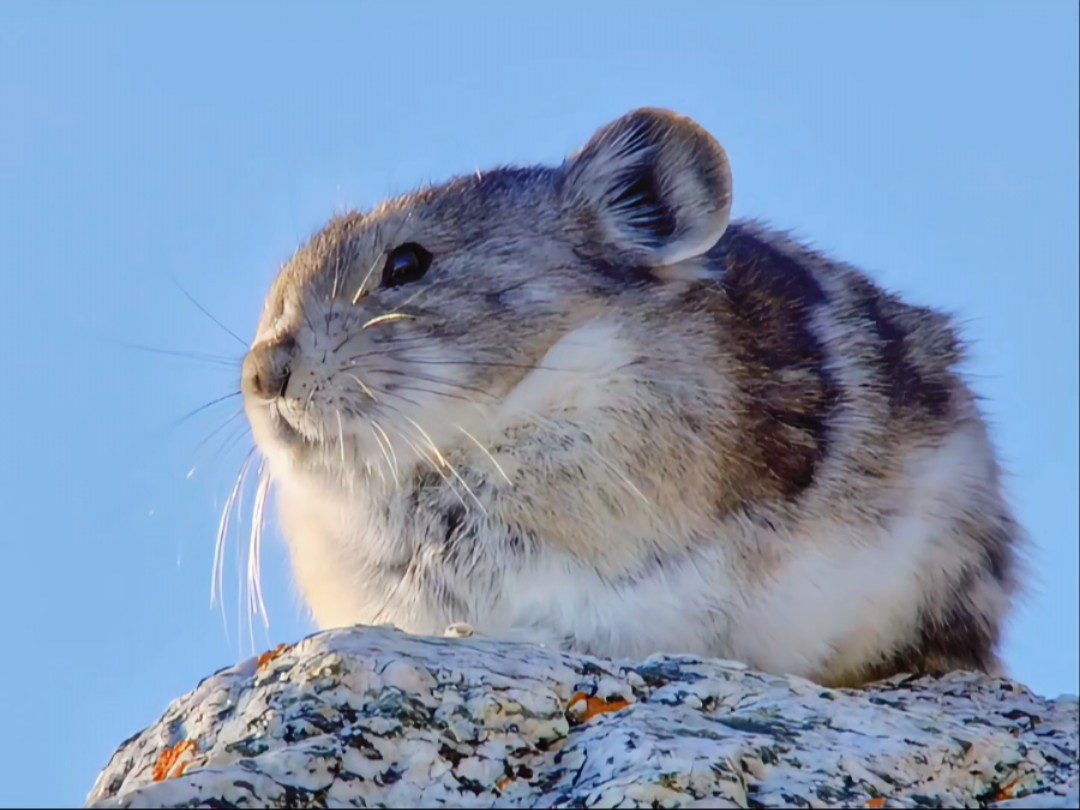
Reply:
x=267, y=367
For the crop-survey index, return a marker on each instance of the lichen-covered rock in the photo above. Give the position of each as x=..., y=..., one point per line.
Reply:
x=373, y=717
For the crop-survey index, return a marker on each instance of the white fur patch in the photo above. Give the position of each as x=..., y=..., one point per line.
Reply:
x=853, y=597
x=569, y=375
x=693, y=269
x=673, y=609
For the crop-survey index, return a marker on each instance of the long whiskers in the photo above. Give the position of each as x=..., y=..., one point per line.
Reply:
x=216, y=578
x=202, y=442
x=426, y=290
x=363, y=386
x=341, y=436
x=588, y=447
x=412, y=376
x=224, y=361
x=256, y=603
x=435, y=458
x=446, y=462
x=388, y=452
x=386, y=446
x=195, y=411
x=384, y=352
x=539, y=367
x=206, y=312
x=486, y=452
x=438, y=469
x=420, y=389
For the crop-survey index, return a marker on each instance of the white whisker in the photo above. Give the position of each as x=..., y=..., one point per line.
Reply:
x=487, y=453
x=341, y=436
x=217, y=588
x=367, y=390
x=337, y=276
x=421, y=454
x=417, y=294
x=256, y=604
x=391, y=456
x=363, y=284
x=438, y=456
x=378, y=466
x=447, y=464
x=389, y=317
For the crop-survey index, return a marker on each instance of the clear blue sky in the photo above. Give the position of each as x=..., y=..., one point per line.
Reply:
x=935, y=144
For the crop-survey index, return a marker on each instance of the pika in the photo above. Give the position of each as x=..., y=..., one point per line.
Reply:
x=579, y=405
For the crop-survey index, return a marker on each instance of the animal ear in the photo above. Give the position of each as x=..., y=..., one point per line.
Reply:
x=652, y=183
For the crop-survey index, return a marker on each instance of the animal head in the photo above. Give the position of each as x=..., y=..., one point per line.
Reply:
x=440, y=302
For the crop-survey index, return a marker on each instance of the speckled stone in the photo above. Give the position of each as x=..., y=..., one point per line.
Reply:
x=374, y=717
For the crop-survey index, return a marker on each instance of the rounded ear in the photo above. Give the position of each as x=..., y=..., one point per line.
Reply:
x=652, y=183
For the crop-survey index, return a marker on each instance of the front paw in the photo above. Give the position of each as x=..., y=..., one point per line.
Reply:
x=459, y=630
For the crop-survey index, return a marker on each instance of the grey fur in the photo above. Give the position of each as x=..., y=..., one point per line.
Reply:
x=697, y=435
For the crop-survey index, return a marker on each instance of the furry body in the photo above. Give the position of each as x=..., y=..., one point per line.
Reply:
x=607, y=420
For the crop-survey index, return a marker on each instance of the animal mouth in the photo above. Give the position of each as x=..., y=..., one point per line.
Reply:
x=283, y=426
x=306, y=429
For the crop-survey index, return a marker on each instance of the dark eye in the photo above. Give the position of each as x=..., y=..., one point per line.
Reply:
x=405, y=263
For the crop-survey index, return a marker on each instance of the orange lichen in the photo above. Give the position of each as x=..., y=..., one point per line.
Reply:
x=270, y=655
x=179, y=769
x=585, y=708
x=1006, y=792
x=502, y=783
x=168, y=767
x=878, y=802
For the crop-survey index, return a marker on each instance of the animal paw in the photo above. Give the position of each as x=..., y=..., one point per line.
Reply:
x=459, y=630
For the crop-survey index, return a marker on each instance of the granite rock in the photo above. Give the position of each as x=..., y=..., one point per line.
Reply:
x=366, y=717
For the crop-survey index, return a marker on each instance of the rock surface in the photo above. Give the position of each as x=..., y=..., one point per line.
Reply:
x=374, y=717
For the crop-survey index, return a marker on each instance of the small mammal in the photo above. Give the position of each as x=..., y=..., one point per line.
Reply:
x=578, y=406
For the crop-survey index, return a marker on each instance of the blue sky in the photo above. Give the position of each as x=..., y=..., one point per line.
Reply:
x=143, y=145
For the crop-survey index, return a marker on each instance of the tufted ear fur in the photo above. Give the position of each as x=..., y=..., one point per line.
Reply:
x=654, y=184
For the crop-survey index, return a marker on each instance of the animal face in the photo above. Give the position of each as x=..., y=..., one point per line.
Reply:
x=395, y=333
